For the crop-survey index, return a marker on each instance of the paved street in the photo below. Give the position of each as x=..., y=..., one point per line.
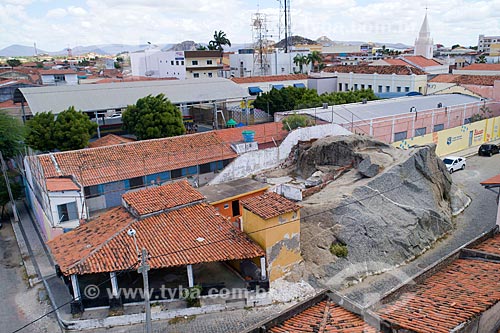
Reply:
x=477, y=218
x=19, y=304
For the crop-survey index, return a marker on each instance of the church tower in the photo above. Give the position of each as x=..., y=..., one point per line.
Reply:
x=424, y=42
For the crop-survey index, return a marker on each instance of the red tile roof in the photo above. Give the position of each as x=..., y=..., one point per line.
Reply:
x=482, y=67
x=495, y=180
x=421, y=61
x=270, y=78
x=269, y=205
x=450, y=297
x=444, y=78
x=109, y=140
x=163, y=197
x=396, y=62
x=364, y=69
x=189, y=235
x=325, y=317
x=93, y=166
x=479, y=80
x=61, y=184
x=491, y=245
x=264, y=133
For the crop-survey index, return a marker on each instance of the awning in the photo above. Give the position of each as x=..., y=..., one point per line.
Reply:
x=278, y=86
x=254, y=90
x=299, y=85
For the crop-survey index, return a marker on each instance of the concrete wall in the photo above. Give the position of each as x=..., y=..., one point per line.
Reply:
x=457, y=138
x=255, y=161
x=490, y=320
x=60, y=198
x=412, y=82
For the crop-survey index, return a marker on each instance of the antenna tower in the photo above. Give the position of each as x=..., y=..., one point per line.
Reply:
x=260, y=44
x=285, y=23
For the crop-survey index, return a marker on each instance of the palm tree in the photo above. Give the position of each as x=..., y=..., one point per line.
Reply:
x=217, y=43
x=315, y=59
x=300, y=60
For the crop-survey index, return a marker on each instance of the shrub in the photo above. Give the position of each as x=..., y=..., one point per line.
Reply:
x=339, y=250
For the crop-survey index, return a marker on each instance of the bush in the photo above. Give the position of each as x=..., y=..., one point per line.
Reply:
x=339, y=250
x=295, y=121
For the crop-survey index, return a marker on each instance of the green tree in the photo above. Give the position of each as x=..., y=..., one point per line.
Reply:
x=315, y=60
x=200, y=47
x=70, y=130
x=4, y=194
x=220, y=39
x=300, y=60
x=73, y=130
x=14, y=62
x=153, y=117
x=40, y=134
x=455, y=46
x=481, y=59
x=11, y=135
x=84, y=63
x=295, y=120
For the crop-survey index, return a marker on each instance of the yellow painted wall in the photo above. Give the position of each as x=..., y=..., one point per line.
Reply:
x=269, y=232
x=457, y=138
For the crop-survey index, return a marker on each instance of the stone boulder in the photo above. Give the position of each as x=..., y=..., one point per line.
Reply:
x=367, y=168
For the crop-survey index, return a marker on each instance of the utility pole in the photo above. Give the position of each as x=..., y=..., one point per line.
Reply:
x=144, y=268
x=7, y=184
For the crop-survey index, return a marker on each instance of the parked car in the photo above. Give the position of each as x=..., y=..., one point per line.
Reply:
x=488, y=149
x=454, y=163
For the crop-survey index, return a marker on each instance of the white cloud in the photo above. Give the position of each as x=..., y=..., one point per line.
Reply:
x=56, y=13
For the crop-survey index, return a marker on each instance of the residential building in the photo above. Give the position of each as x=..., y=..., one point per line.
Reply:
x=483, y=86
x=177, y=64
x=202, y=64
x=59, y=77
x=484, y=43
x=479, y=69
x=244, y=64
x=227, y=197
x=380, y=79
x=424, y=45
x=103, y=174
x=429, y=66
x=186, y=239
x=273, y=222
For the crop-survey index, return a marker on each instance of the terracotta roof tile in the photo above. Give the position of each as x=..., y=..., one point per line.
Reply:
x=93, y=166
x=326, y=317
x=479, y=80
x=56, y=71
x=365, y=69
x=495, y=180
x=450, y=297
x=270, y=78
x=482, y=67
x=444, y=78
x=491, y=245
x=109, y=140
x=185, y=236
x=269, y=205
x=163, y=197
x=60, y=184
x=264, y=133
x=421, y=61
x=396, y=62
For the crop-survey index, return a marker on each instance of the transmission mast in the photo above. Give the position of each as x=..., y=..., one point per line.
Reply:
x=285, y=23
x=260, y=44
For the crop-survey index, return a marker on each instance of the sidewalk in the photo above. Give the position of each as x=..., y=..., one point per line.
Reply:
x=472, y=150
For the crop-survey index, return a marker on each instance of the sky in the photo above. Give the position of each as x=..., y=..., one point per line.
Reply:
x=57, y=24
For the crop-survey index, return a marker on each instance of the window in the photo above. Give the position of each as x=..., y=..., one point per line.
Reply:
x=420, y=89
x=136, y=182
x=226, y=206
x=407, y=89
x=196, y=75
x=205, y=168
x=91, y=191
x=177, y=62
x=210, y=75
x=399, y=136
x=194, y=62
x=209, y=62
x=182, y=62
x=236, y=208
x=438, y=127
x=362, y=86
x=59, y=77
x=387, y=88
x=340, y=86
x=379, y=89
x=355, y=86
x=177, y=173
x=346, y=86
x=67, y=212
x=370, y=86
x=398, y=89
x=172, y=62
x=467, y=121
x=420, y=131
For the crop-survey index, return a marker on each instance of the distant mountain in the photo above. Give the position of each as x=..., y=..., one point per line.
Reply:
x=325, y=41
x=187, y=45
x=16, y=50
x=294, y=40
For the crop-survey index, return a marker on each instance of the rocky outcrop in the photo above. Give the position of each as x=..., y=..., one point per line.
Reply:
x=383, y=221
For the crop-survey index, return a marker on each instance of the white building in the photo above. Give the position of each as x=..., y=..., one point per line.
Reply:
x=424, y=43
x=157, y=63
x=59, y=77
x=484, y=43
x=249, y=64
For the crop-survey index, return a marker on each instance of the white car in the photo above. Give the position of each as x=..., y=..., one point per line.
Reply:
x=454, y=163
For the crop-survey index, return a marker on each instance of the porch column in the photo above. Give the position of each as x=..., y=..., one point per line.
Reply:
x=76, y=288
x=114, y=284
x=263, y=272
x=190, y=276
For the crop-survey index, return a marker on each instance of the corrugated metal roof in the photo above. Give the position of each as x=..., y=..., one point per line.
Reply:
x=120, y=94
